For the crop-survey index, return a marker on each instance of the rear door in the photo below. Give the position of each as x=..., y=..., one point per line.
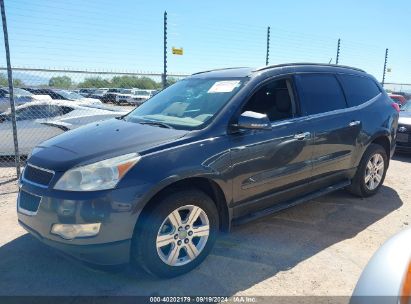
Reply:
x=335, y=130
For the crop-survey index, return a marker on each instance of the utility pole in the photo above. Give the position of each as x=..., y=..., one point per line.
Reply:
x=267, y=56
x=11, y=93
x=165, y=51
x=385, y=67
x=338, y=51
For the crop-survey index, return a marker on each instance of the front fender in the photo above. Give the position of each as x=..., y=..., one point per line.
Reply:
x=203, y=172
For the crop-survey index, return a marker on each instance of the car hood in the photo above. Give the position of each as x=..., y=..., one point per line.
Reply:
x=405, y=118
x=97, y=141
x=41, y=97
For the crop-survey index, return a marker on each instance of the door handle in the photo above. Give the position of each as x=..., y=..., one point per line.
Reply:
x=302, y=136
x=354, y=123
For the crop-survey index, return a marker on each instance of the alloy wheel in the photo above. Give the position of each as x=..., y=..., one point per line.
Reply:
x=182, y=235
x=374, y=171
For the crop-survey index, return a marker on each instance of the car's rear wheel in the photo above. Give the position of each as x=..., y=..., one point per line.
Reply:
x=371, y=172
x=176, y=235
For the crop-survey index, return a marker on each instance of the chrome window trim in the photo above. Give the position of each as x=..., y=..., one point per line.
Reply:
x=345, y=110
x=36, y=184
x=25, y=211
x=324, y=114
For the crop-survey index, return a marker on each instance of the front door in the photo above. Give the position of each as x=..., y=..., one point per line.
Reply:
x=266, y=162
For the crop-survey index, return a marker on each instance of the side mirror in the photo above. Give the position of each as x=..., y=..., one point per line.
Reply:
x=253, y=120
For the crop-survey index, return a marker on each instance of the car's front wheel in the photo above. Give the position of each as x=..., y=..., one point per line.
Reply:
x=176, y=235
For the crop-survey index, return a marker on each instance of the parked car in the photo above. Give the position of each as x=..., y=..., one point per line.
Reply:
x=141, y=96
x=99, y=93
x=123, y=96
x=399, y=99
x=404, y=129
x=64, y=95
x=40, y=120
x=216, y=149
x=133, y=96
x=20, y=97
x=110, y=95
x=387, y=276
x=86, y=92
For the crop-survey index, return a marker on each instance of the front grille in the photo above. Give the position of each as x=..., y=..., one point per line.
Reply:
x=37, y=175
x=28, y=202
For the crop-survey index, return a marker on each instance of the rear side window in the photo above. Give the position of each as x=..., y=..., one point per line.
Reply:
x=320, y=93
x=358, y=89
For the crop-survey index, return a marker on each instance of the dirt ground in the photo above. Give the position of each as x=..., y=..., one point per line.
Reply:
x=318, y=248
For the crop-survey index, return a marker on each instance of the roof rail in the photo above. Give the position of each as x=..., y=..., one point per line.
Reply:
x=307, y=63
x=222, y=69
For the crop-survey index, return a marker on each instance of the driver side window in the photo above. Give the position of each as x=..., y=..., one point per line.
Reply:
x=274, y=100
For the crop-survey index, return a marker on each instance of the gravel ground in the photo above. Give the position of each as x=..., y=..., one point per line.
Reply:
x=318, y=248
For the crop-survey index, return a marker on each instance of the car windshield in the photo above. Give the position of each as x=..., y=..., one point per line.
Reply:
x=140, y=92
x=99, y=91
x=406, y=107
x=69, y=95
x=126, y=91
x=187, y=104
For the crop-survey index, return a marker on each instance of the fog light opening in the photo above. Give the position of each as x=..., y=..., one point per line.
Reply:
x=72, y=231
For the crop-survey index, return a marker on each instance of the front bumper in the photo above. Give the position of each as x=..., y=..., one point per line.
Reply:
x=403, y=147
x=112, y=208
x=115, y=253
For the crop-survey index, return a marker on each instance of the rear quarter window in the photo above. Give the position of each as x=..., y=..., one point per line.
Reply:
x=358, y=89
x=320, y=93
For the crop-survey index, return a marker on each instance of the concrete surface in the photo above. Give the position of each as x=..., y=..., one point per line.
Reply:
x=318, y=248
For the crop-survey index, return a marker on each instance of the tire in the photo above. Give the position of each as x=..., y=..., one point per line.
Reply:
x=175, y=257
x=359, y=186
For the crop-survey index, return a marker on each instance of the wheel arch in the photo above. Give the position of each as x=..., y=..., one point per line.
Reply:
x=384, y=141
x=204, y=184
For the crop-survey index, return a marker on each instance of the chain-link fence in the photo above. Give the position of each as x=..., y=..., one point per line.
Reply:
x=399, y=88
x=50, y=102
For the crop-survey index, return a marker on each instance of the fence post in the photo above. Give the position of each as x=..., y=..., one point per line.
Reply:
x=165, y=51
x=11, y=93
x=267, y=56
x=385, y=67
x=338, y=51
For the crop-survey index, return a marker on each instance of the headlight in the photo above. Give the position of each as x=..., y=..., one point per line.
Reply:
x=101, y=175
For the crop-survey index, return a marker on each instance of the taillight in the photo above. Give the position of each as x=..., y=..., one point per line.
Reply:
x=406, y=287
x=395, y=106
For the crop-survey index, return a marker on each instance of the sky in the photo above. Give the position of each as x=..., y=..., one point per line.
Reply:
x=127, y=35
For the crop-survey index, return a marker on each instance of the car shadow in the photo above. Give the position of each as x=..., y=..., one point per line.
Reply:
x=250, y=254
x=402, y=156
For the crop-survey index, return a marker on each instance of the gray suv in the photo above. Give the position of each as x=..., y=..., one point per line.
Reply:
x=156, y=186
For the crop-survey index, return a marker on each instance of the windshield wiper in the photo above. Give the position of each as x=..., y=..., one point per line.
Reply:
x=156, y=123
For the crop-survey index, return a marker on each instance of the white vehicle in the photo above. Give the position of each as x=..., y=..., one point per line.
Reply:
x=20, y=97
x=124, y=96
x=64, y=95
x=38, y=121
x=134, y=96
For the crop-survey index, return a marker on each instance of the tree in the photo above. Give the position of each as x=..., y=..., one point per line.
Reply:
x=134, y=82
x=5, y=83
x=60, y=82
x=94, y=82
x=3, y=80
x=171, y=80
x=18, y=82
